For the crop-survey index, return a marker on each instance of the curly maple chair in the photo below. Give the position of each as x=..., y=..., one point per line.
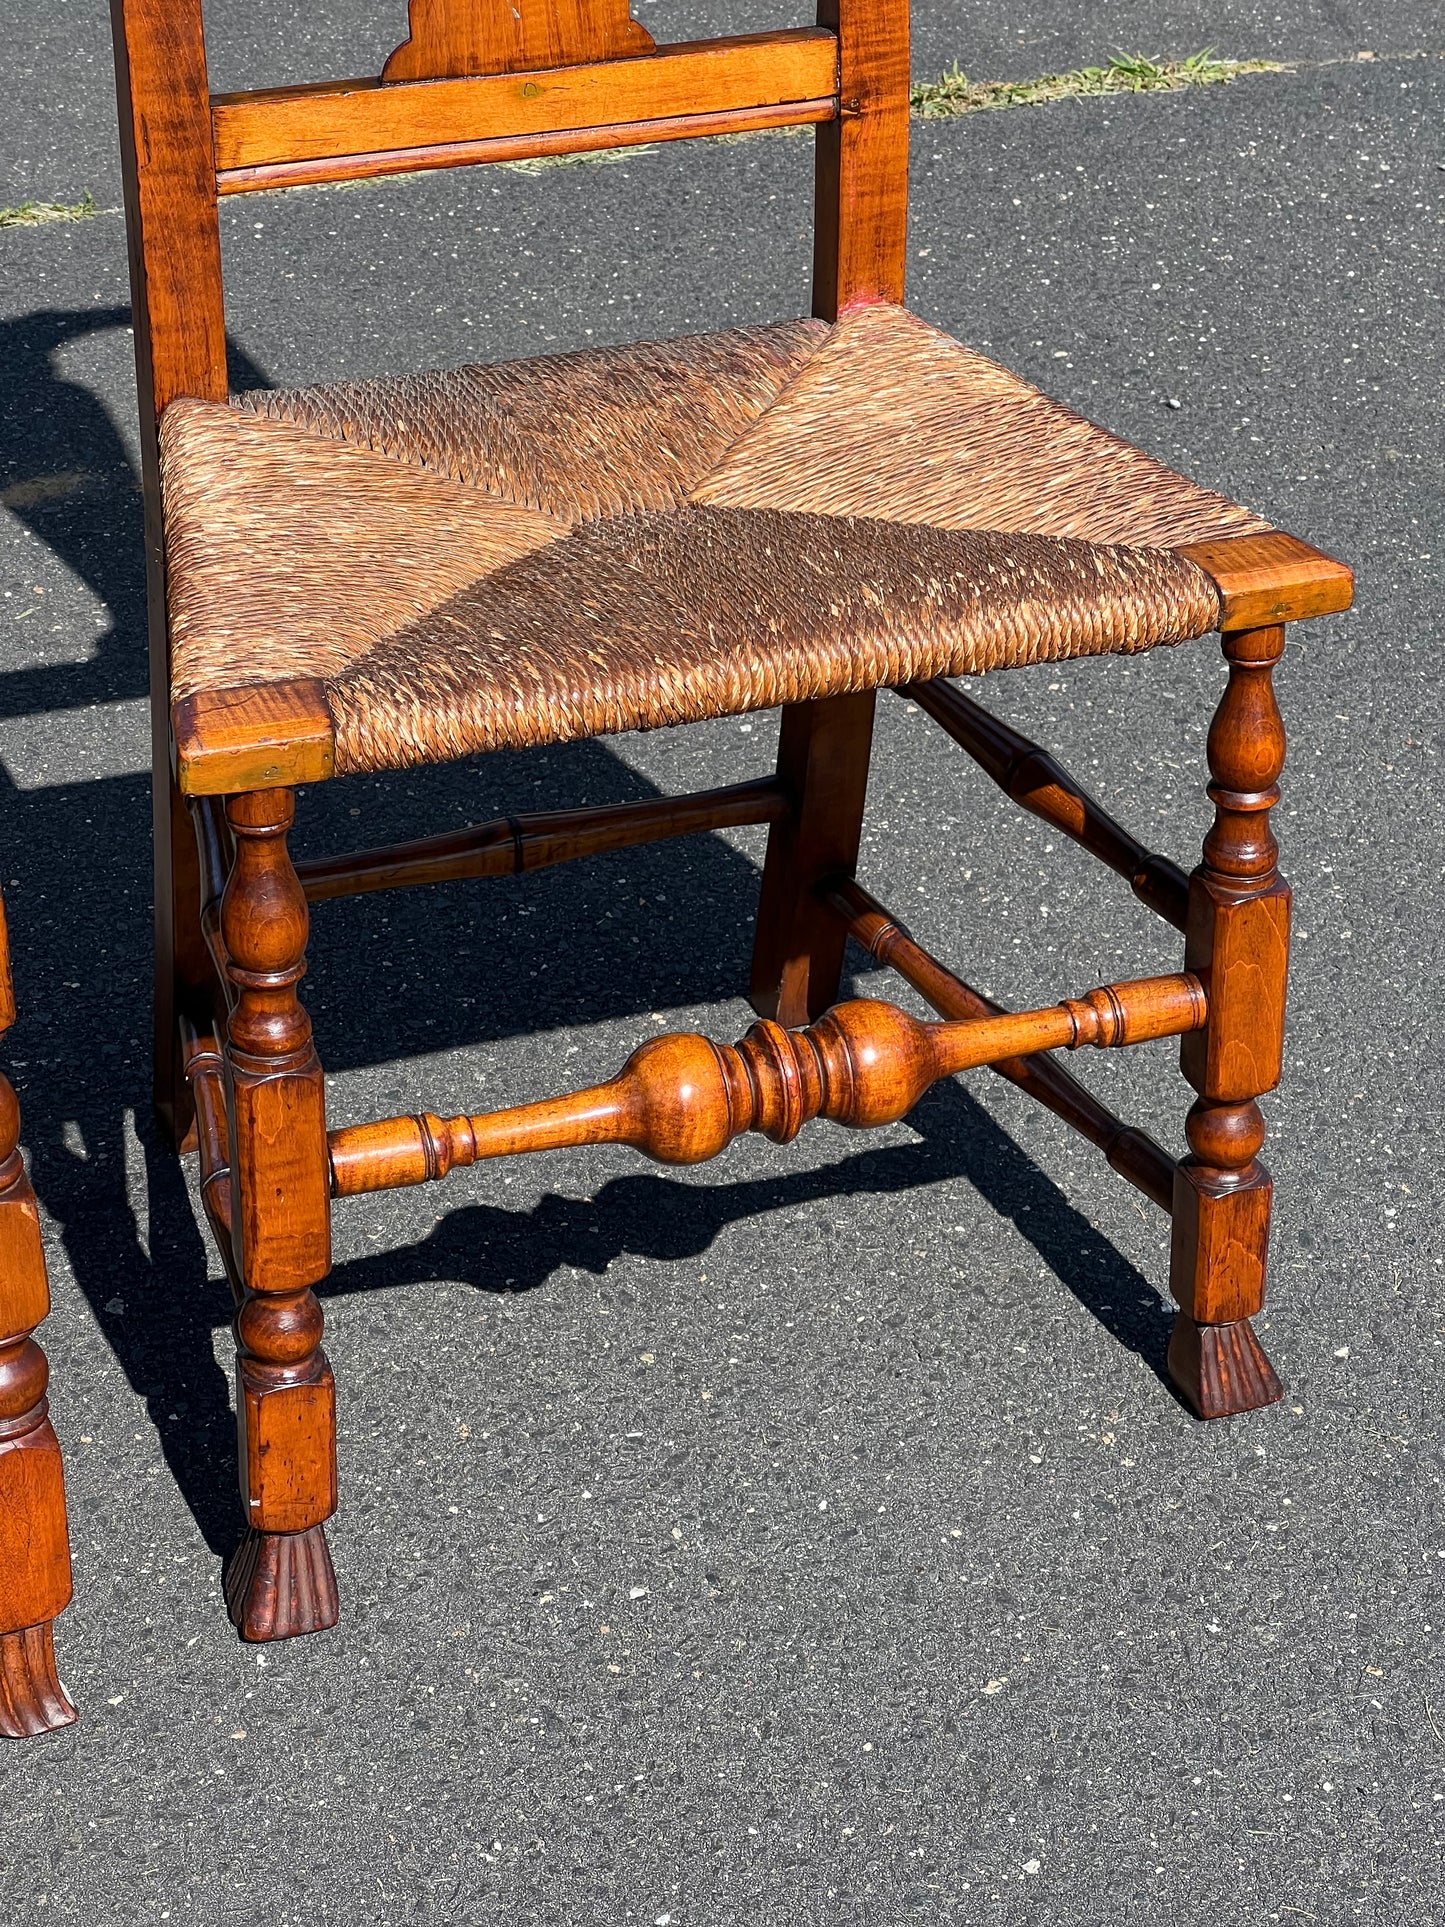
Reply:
x=34, y=1540
x=375, y=574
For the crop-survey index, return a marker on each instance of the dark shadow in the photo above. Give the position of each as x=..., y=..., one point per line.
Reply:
x=653, y=1216
x=79, y=1058
x=421, y=971
x=66, y=473
x=391, y=978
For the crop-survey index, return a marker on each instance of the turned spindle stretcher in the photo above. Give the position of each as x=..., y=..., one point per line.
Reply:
x=369, y=575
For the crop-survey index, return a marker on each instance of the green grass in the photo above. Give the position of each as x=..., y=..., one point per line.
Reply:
x=956, y=94
x=42, y=213
x=943, y=99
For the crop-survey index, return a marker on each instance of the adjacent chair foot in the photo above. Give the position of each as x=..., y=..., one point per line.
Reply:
x=32, y=1700
x=1221, y=1369
x=281, y=1584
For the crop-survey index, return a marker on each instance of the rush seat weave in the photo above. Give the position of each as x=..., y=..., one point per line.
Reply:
x=498, y=557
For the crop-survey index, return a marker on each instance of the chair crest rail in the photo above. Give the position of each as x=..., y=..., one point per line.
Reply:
x=349, y=130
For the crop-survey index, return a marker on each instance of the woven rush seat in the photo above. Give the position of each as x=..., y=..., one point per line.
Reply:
x=500, y=557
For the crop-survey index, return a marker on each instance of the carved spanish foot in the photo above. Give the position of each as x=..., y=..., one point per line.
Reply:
x=282, y=1584
x=32, y=1700
x=1220, y=1370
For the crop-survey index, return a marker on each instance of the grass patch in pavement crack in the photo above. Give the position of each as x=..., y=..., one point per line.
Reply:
x=956, y=94
x=943, y=99
x=42, y=213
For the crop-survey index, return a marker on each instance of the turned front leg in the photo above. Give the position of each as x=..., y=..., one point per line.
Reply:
x=34, y=1542
x=1237, y=940
x=281, y=1581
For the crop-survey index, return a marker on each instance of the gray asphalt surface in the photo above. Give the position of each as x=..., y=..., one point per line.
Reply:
x=811, y=1537
x=57, y=136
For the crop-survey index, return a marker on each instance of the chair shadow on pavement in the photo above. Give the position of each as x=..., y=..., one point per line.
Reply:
x=564, y=946
x=651, y=1215
x=81, y=1067
x=67, y=474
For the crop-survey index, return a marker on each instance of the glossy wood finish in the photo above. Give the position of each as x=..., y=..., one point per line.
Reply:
x=32, y=1699
x=34, y=1538
x=1130, y=1151
x=1237, y=938
x=1038, y=784
x=523, y=147
x=682, y=1099
x=512, y=36
x=171, y=220
x=1273, y=578
x=1221, y=1369
x=338, y=131
x=823, y=768
x=261, y=736
x=514, y=845
x=206, y=1069
x=232, y=909
x=280, y=1233
x=168, y=171
x=860, y=237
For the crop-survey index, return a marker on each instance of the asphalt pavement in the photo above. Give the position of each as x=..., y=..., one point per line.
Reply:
x=811, y=1537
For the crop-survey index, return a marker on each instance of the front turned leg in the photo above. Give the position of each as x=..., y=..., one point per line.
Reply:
x=280, y=1582
x=34, y=1542
x=1237, y=940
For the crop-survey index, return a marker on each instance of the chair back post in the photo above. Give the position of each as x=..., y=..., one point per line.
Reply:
x=177, y=305
x=177, y=311
x=861, y=201
x=169, y=168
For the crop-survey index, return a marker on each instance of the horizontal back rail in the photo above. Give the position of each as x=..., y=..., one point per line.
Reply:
x=350, y=129
x=523, y=147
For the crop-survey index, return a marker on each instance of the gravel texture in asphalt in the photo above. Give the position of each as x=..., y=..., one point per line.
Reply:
x=812, y=1536
x=57, y=136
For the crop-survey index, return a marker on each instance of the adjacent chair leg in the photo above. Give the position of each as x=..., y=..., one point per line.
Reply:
x=799, y=944
x=281, y=1581
x=34, y=1542
x=1237, y=939
x=185, y=979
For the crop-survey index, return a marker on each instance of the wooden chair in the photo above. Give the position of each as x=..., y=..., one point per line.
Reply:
x=376, y=574
x=34, y=1540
